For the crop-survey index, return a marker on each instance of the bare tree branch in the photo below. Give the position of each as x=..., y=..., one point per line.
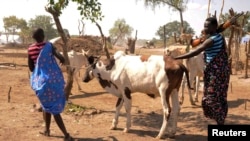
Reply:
x=103, y=41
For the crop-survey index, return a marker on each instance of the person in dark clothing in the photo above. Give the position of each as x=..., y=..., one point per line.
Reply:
x=216, y=72
x=47, y=81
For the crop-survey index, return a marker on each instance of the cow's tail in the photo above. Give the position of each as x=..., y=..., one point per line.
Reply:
x=187, y=76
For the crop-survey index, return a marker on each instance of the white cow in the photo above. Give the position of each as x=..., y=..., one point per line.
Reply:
x=77, y=61
x=155, y=75
x=195, y=65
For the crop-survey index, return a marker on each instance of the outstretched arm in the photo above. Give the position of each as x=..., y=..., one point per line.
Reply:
x=206, y=44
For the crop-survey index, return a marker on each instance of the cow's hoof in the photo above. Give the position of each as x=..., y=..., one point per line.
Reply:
x=125, y=130
x=159, y=137
x=193, y=103
x=112, y=128
x=180, y=103
x=171, y=136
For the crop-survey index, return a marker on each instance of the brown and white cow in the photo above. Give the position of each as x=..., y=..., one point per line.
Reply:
x=195, y=66
x=155, y=75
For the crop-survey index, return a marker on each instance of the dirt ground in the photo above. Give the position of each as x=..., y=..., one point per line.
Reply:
x=19, y=120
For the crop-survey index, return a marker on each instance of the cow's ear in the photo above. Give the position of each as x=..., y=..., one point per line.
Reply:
x=111, y=64
x=98, y=57
x=85, y=53
x=91, y=59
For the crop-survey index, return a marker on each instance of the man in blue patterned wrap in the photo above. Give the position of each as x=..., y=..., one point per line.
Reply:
x=47, y=81
x=216, y=72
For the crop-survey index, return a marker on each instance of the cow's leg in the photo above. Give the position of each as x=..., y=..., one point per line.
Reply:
x=183, y=83
x=119, y=104
x=127, y=104
x=197, y=88
x=76, y=79
x=165, y=111
x=191, y=79
x=173, y=118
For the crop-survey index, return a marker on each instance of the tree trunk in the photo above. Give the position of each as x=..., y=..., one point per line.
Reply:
x=131, y=44
x=208, y=9
x=236, y=50
x=229, y=49
x=223, y=1
x=182, y=24
x=247, y=57
x=70, y=71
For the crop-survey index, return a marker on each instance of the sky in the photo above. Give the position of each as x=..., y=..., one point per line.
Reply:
x=145, y=20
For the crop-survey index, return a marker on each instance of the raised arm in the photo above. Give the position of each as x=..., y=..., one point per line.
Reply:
x=206, y=44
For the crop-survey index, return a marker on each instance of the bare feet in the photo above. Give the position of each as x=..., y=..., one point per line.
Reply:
x=68, y=138
x=45, y=133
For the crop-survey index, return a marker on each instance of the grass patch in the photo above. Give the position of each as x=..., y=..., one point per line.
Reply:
x=72, y=108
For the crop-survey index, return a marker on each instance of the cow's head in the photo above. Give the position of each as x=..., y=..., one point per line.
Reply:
x=86, y=54
x=92, y=61
x=97, y=67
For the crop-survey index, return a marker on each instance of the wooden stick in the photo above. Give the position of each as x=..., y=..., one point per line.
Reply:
x=28, y=74
x=231, y=85
x=245, y=104
x=9, y=95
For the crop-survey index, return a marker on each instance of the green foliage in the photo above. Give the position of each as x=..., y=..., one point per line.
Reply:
x=15, y=25
x=178, y=5
x=45, y=22
x=89, y=9
x=12, y=23
x=120, y=30
x=246, y=24
x=173, y=27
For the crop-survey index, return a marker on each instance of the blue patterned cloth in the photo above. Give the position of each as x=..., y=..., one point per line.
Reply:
x=48, y=82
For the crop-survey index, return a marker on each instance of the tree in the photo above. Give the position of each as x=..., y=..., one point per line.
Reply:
x=25, y=35
x=177, y=5
x=45, y=22
x=81, y=28
x=89, y=9
x=12, y=24
x=24, y=30
x=245, y=23
x=171, y=28
x=120, y=30
x=208, y=8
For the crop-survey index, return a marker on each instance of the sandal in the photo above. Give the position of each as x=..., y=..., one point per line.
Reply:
x=68, y=138
x=45, y=133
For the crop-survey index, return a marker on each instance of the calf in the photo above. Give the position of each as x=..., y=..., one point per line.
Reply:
x=155, y=75
x=195, y=65
x=77, y=61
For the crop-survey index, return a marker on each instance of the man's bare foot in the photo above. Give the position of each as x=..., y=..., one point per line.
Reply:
x=45, y=133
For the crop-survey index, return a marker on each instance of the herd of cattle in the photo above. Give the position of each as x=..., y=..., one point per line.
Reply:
x=154, y=75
